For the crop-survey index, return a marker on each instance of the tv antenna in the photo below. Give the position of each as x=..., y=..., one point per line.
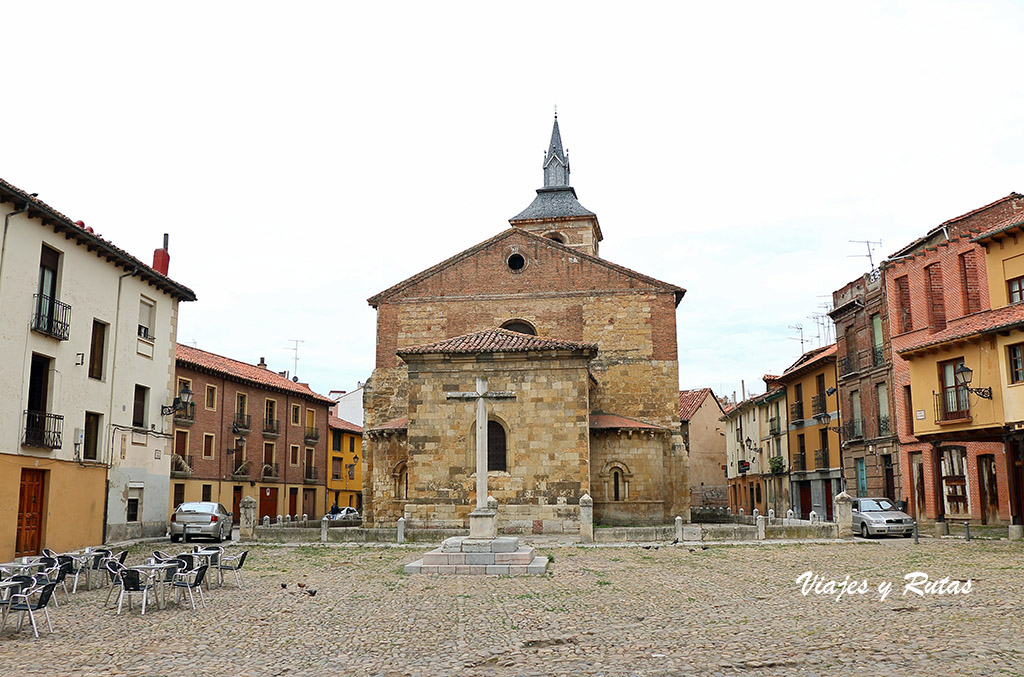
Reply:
x=869, y=255
x=295, y=349
x=799, y=328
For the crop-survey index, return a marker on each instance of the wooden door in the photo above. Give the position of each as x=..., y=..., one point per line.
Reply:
x=989, y=492
x=917, y=468
x=293, y=501
x=30, y=513
x=236, y=505
x=309, y=502
x=828, y=500
x=268, y=503
x=1016, y=485
x=890, y=477
x=805, y=499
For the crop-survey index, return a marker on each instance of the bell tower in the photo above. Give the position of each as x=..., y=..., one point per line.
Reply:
x=556, y=212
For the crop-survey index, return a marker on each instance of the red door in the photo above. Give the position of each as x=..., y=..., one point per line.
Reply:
x=268, y=503
x=236, y=501
x=805, y=499
x=30, y=513
x=828, y=500
x=293, y=501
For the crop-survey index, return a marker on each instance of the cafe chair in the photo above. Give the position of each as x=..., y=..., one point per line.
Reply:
x=26, y=606
x=189, y=583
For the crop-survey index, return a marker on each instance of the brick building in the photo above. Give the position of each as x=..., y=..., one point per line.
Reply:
x=249, y=431
x=704, y=437
x=932, y=284
x=869, y=445
x=588, y=346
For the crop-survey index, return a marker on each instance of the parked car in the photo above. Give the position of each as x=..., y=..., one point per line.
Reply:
x=880, y=516
x=347, y=514
x=201, y=518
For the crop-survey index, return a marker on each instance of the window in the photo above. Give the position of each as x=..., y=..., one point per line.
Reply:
x=268, y=453
x=882, y=400
x=270, y=414
x=1016, y=289
x=296, y=414
x=336, y=440
x=207, y=492
x=936, y=300
x=520, y=326
x=211, y=397
x=99, y=339
x=908, y=410
x=140, y=406
x=969, y=282
x=351, y=471
x=496, y=451
x=954, y=397
x=90, y=450
x=179, y=495
x=147, y=310
x=903, y=304
x=877, y=354
x=294, y=457
x=862, y=478
x=1016, y=366
x=241, y=402
x=351, y=445
x=182, y=383
x=181, y=444
x=208, y=440
x=336, y=468
x=134, y=503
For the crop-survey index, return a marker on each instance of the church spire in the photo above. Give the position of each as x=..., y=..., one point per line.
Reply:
x=556, y=161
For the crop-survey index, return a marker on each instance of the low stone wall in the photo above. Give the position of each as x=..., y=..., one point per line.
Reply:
x=664, y=532
x=560, y=518
x=286, y=534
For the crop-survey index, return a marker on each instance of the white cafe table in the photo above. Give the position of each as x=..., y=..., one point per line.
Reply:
x=22, y=565
x=153, y=571
x=207, y=556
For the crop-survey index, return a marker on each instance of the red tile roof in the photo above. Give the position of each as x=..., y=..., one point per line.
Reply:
x=496, y=341
x=246, y=373
x=341, y=424
x=104, y=248
x=809, y=359
x=602, y=421
x=690, y=401
x=1011, y=222
x=397, y=424
x=984, y=322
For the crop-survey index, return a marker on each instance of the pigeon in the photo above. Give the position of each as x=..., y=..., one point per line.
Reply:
x=691, y=550
x=311, y=593
x=301, y=584
x=703, y=547
x=647, y=547
x=675, y=542
x=284, y=585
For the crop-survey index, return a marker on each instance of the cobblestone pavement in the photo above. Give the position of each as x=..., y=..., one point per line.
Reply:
x=604, y=610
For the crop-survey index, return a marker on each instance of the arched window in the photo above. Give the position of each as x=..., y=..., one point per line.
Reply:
x=401, y=477
x=520, y=326
x=496, y=450
x=616, y=481
x=557, y=237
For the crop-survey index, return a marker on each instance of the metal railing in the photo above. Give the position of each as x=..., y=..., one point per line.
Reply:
x=270, y=471
x=796, y=411
x=51, y=317
x=774, y=425
x=884, y=428
x=799, y=461
x=952, y=404
x=42, y=430
x=310, y=476
x=241, y=469
x=818, y=404
x=853, y=429
x=272, y=426
x=243, y=421
x=181, y=466
x=312, y=434
x=848, y=365
x=821, y=459
x=877, y=355
x=186, y=413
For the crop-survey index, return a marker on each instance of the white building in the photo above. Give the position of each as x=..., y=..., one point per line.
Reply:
x=87, y=334
x=349, y=405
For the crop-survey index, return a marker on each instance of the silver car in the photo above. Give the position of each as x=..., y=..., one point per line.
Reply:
x=201, y=518
x=880, y=516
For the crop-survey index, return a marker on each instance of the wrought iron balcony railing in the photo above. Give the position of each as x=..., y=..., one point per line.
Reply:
x=187, y=414
x=270, y=471
x=42, y=430
x=853, y=430
x=883, y=426
x=796, y=411
x=821, y=459
x=51, y=317
x=181, y=466
x=242, y=422
x=774, y=425
x=312, y=434
x=271, y=426
x=799, y=461
x=952, y=404
x=877, y=355
x=241, y=469
x=848, y=365
x=818, y=404
x=310, y=475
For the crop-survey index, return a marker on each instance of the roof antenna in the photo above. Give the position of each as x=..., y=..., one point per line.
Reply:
x=866, y=243
x=799, y=328
x=295, y=349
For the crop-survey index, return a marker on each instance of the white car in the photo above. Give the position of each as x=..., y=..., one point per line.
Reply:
x=201, y=518
x=347, y=514
x=879, y=517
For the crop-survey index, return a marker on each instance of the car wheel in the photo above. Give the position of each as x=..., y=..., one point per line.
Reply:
x=908, y=534
x=174, y=538
x=864, y=530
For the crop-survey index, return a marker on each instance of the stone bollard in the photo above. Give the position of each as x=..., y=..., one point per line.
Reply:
x=280, y=519
x=813, y=517
x=679, y=529
x=324, y=521
x=756, y=512
x=789, y=514
x=741, y=512
x=967, y=531
x=771, y=513
x=266, y=520
x=287, y=519
x=586, y=519
x=1016, y=532
x=941, y=529
x=843, y=509
x=247, y=525
x=760, y=527
x=305, y=517
x=401, y=530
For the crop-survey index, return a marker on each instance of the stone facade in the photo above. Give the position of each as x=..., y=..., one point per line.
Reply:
x=704, y=436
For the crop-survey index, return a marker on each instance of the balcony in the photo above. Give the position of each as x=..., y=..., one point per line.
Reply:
x=853, y=430
x=799, y=461
x=51, y=317
x=242, y=423
x=848, y=365
x=181, y=466
x=883, y=426
x=312, y=434
x=43, y=431
x=952, y=404
x=186, y=415
x=821, y=459
x=796, y=411
x=241, y=471
x=877, y=356
x=311, y=475
x=818, y=404
x=270, y=472
x=774, y=426
x=271, y=427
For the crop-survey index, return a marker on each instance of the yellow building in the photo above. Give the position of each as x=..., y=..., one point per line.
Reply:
x=967, y=385
x=345, y=454
x=814, y=441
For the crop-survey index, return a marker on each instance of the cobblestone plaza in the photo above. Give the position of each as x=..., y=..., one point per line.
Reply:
x=599, y=610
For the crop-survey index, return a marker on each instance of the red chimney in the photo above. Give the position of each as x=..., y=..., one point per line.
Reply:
x=161, y=259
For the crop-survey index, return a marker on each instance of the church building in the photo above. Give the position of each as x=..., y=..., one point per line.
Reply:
x=587, y=346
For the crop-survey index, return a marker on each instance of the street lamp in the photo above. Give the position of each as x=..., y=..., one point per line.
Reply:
x=181, y=402
x=963, y=376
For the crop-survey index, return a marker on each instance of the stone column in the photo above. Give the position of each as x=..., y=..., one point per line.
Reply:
x=324, y=521
x=760, y=527
x=401, y=530
x=842, y=506
x=1016, y=532
x=247, y=525
x=679, y=528
x=587, y=519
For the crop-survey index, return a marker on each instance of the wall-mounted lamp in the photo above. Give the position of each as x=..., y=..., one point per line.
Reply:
x=963, y=376
x=831, y=390
x=181, y=402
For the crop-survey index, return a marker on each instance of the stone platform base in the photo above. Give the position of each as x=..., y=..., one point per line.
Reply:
x=470, y=556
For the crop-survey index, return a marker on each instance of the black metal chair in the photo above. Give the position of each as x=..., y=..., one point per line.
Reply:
x=133, y=581
x=19, y=585
x=98, y=556
x=45, y=594
x=233, y=563
x=75, y=571
x=185, y=581
x=112, y=569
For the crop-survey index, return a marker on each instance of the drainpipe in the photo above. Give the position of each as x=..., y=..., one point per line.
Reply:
x=7, y=223
x=110, y=408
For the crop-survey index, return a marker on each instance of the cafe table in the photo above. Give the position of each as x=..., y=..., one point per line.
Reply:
x=154, y=572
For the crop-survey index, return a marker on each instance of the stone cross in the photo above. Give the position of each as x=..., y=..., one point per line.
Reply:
x=481, y=396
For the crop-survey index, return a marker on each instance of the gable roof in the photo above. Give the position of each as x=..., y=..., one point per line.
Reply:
x=341, y=424
x=602, y=421
x=380, y=297
x=954, y=222
x=1011, y=222
x=245, y=373
x=691, y=400
x=85, y=237
x=980, y=323
x=495, y=341
x=808, y=360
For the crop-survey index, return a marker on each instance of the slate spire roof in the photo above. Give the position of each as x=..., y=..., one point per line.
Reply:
x=557, y=198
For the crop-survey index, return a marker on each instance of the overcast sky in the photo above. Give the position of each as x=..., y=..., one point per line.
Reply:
x=304, y=156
